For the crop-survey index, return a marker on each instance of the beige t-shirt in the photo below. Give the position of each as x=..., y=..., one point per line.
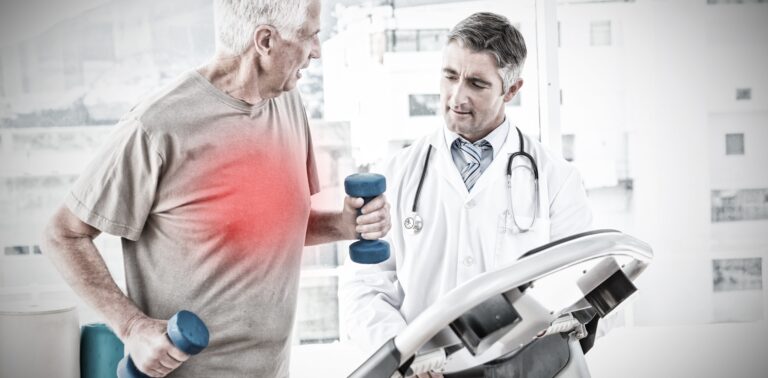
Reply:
x=211, y=197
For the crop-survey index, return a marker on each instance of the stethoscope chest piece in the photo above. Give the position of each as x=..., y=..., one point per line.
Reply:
x=413, y=223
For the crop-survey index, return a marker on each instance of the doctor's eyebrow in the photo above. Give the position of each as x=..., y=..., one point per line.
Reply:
x=476, y=80
x=479, y=82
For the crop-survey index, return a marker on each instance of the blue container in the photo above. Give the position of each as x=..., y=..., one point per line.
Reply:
x=100, y=351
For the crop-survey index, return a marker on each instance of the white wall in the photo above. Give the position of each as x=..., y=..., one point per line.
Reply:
x=670, y=81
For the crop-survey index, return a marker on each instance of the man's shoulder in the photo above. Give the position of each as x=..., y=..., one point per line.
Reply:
x=174, y=103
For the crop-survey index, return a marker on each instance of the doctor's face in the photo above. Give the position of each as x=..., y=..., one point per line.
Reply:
x=471, y=94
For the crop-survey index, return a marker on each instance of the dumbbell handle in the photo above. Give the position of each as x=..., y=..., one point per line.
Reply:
x=368, y=186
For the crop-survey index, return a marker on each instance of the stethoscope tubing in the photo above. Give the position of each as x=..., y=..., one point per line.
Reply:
x=415, y=222
x=421, y=180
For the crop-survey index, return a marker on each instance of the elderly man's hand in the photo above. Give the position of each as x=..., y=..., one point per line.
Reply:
x=149, y=348
x=374, y=222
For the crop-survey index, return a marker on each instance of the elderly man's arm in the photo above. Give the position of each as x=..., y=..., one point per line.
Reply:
x=328, y=226
x=69, y=245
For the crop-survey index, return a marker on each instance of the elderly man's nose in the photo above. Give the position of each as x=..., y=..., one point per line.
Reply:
x=315, y=50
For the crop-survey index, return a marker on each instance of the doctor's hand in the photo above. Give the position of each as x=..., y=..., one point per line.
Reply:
x=374, y=222
x=150, y=349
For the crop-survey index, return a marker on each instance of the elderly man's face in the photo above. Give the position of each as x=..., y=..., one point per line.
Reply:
x=471, y=98
x=294, y=54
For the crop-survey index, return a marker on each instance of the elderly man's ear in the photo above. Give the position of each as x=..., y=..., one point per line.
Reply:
x=513, y=89
x=264, y=39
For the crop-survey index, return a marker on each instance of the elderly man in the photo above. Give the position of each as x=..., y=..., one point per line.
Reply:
x=458, y=213
x=208, y=183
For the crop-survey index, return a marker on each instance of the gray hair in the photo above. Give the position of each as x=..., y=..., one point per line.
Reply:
x=236, y=20
x=492, y=33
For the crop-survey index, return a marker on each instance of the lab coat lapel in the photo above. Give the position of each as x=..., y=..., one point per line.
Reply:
x=444, y=162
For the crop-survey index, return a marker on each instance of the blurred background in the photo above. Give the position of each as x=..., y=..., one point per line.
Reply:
x=661, y=104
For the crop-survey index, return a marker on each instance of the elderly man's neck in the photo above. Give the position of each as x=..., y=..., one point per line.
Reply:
x=238, y=76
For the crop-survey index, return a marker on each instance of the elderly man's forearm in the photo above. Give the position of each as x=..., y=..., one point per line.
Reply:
x=326, y=227
x=82, y=267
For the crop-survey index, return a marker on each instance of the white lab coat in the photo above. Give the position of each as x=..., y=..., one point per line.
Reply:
x=465, y=233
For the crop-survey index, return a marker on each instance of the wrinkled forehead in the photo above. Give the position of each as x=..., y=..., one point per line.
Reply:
x=466, y=62
x=312, y=21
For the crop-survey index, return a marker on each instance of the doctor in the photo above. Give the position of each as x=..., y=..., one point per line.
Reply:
x=464, y=199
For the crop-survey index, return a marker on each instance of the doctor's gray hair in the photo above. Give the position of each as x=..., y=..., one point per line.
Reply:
x=492, y=33
x=236, y=20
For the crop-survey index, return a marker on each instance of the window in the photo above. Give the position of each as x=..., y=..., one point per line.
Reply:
x=743, y=94
x=737, y=274
x=405, y=40
x=568, y=146
x=322, y=255
x=737, y=283
x=402, y=40
x=590, y=2
x=23, y=59
x=16, y=250
x=2, y=80
x=423, y=104
x=734, y=144
x=431, y=40
x=739, y=205
x=317, y=310
x=98, y=43
x=600, y=33
x=716, y=2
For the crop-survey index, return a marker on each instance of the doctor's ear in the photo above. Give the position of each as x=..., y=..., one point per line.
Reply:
x=513, y=89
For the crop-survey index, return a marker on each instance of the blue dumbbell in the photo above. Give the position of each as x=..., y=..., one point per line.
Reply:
x=185, y=331
x=368, y=186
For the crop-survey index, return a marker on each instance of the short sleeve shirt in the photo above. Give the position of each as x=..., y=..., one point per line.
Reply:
x=211, y=196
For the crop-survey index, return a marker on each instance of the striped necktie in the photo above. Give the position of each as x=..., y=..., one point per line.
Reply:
x=473, y=154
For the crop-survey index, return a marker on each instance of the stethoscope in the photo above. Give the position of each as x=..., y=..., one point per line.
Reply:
x=415, y=223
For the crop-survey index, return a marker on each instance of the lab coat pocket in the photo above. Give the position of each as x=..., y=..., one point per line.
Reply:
x=511, y=242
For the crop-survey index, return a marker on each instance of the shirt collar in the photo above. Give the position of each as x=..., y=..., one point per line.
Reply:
x=496, y=138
